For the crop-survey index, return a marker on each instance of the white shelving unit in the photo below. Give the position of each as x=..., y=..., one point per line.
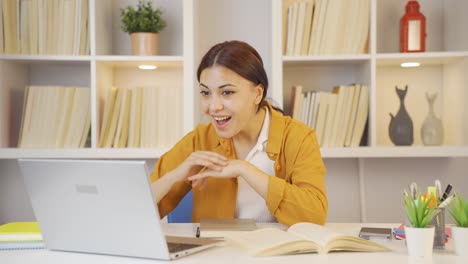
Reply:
x=195, y=25
x=443, y=69
x=191, y=32
x=109, y=64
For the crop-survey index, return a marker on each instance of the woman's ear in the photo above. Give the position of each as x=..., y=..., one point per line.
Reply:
x=258, y=94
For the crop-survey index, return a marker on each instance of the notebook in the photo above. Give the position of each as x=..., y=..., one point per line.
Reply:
x=20, y=235
x=100, y=206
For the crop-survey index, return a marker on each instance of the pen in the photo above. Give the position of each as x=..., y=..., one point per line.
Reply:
x=446, y=201
x=413, y=190
x=438, y=187
x=446, y=192
x=198, y=232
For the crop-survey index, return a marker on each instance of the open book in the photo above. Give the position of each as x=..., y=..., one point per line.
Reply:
x=300, y=238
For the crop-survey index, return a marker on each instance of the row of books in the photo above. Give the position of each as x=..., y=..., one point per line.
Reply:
x=338, y=118
x=315, y=27
x=20, y=235
x=141, y=117
x=44, y=27
x=55, y=117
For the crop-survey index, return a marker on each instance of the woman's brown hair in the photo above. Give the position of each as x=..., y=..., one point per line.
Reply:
x=239, y=57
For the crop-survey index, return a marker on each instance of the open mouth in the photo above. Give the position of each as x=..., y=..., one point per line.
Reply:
x=222, y=120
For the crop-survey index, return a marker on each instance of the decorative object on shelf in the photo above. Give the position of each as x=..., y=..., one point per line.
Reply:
x=420, y=210
x=432, y=131
x=459, y=212
x=143, y=25
x=412, y=29
x=400, y=129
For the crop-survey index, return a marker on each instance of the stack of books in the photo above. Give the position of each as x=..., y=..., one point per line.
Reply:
x=55, y=117
x=339, y=117
x=20, y=235
x=42, y=27
x=141, y=117
x=318, y=27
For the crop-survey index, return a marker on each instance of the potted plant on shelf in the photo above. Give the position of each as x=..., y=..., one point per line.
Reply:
x=420, y=209
x=143, y=24
x=459, y=212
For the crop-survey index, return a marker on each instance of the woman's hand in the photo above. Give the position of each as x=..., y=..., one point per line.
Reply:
x=232, y=169
x=198, y=160
x=256, y=178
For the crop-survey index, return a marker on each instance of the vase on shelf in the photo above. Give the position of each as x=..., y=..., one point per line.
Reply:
x=432, y=131
x=400, y=128
x=144, y=44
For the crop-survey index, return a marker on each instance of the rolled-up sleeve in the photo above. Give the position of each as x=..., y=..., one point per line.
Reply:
x=168, y=162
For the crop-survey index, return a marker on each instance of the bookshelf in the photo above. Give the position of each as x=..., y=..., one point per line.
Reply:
x=195, y=25
x=379, y=169
x=443, y=69
x=191, y=32
x=108, y=64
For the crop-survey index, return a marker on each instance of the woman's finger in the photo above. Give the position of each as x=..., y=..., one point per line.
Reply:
x=203, y=184
x=200, y=175
x=213, y=158
x=211, y=154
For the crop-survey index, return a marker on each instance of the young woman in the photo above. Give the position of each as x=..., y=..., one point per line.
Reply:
x=250, y=161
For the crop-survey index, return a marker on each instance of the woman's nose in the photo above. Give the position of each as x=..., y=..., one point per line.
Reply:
x=216, y=103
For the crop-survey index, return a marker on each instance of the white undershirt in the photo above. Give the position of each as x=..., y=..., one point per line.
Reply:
x=249, y=203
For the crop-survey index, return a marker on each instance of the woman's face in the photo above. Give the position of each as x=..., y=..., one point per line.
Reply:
x=229, y=100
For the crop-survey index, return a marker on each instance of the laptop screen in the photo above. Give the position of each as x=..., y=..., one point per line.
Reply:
x=97, y=206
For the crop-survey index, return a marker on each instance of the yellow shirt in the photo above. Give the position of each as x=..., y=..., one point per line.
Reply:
x=295, y=194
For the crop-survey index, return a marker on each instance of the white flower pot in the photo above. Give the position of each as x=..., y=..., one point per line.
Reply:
x=419, y=241
x=460, y=239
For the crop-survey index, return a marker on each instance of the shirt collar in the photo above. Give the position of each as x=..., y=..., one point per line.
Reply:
x=275, y=134
x=263, y=136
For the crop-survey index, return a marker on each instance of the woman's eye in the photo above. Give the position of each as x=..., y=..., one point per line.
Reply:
x=204, y=93
x=228, y=92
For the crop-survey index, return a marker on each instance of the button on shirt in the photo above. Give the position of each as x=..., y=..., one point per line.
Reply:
x=249, y=203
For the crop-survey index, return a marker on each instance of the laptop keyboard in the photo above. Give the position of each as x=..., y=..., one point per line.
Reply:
x=177, y=247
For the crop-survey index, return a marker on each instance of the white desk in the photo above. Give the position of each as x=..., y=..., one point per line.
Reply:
x=227, y=254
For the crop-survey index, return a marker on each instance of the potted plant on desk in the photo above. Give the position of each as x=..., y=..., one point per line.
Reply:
x=419, y=235
x=459, y=213
x=143, y=24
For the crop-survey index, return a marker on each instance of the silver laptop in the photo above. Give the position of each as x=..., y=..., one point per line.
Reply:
x=101, y=206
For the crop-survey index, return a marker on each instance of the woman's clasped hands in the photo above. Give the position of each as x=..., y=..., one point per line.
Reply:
x=203, y=164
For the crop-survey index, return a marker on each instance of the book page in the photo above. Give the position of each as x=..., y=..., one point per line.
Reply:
x=271, y=241
x=320, y=234
x=331, y=240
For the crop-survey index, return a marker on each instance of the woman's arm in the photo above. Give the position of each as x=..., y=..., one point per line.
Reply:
x=299, y=196
x=190, y=166
x=255, y=177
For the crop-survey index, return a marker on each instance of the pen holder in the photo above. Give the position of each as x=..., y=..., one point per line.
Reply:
x=438, y=221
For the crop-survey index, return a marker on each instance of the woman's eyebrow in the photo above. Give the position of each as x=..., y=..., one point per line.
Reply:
x=220, y=87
